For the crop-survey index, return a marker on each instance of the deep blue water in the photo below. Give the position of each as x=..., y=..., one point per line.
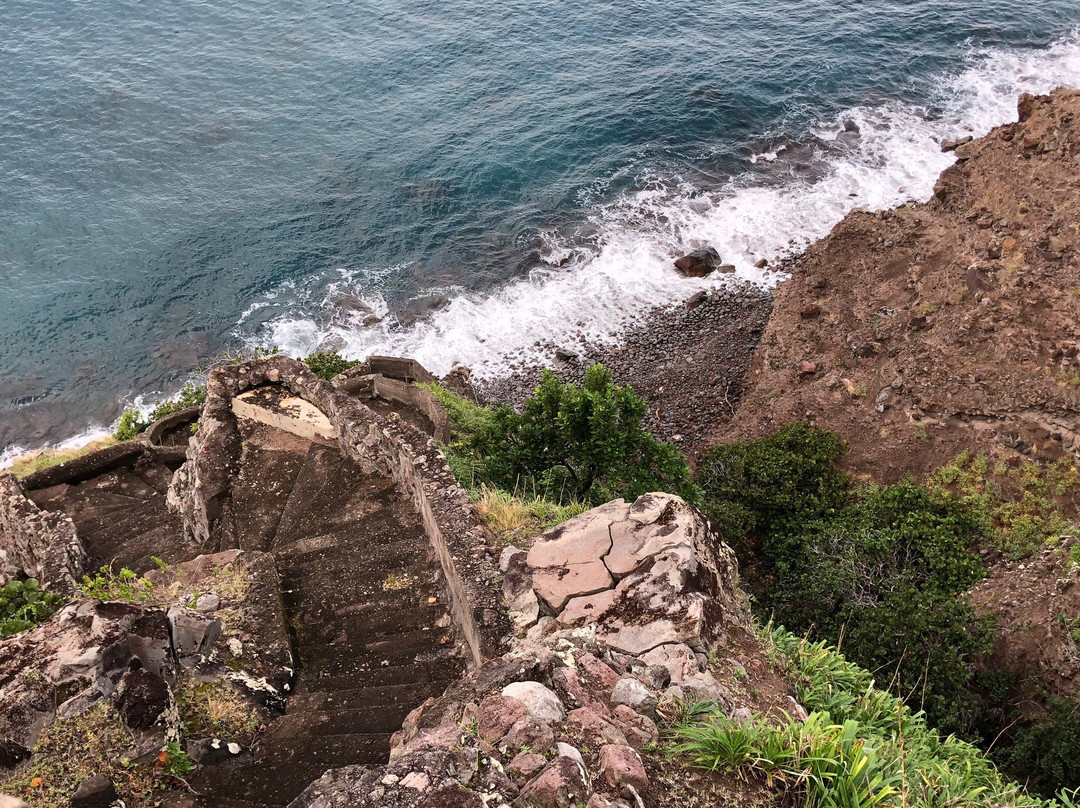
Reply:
x=177, y=177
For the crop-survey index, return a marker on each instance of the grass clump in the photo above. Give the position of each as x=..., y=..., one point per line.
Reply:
x=70, y=750
x=328, y=364
x=861, y=747
x=216, y=709
x=397, y=581
x=515, y=520
x=24, y=604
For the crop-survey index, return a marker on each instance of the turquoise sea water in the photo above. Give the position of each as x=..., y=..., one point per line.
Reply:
x=177, y=177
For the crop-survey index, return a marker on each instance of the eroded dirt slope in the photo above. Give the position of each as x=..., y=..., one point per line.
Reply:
x=952, y=325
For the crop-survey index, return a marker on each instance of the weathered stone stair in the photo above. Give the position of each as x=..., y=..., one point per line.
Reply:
x=121, y=517
x=363, y=592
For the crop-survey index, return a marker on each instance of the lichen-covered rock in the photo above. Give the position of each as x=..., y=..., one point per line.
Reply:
x=647, y=574
x=634, y=695
x=621, y=766
x=540, y=701
x=561, y=784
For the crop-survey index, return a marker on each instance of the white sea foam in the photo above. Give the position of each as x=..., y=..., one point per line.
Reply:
x=893, y=158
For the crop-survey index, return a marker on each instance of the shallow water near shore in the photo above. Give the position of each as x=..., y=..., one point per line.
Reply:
x=175, y=180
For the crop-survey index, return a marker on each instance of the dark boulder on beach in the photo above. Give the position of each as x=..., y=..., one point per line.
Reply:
x=699, y=263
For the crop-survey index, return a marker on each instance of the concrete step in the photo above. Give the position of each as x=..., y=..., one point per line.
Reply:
x=255, y=784
x=261, y=492
x=326, y=693
x=330, y=751
x=330, y=491
x=344, y=719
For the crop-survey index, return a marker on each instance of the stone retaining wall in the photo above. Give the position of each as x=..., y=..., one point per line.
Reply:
x=385, y=445
x=37, y=543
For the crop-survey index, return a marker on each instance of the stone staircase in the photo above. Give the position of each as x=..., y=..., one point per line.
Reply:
x=364, y=595
x=120, y=516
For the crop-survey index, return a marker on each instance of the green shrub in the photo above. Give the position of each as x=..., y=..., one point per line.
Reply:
x=132, y=424
x=569, y=445
x=328, y=364
x=23, y=604
x=753, y=487
x=881, y=569
x=580, y=444
x=1045, y=752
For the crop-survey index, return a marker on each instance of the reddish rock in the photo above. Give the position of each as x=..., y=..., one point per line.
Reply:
x=598, y=670
x=620, y=766
x=497, y=714
x=807, y=368
x=531, y=733
x=810, y=311
x=593, y=728
x=573, y=692
x=526, y=764
x=639, y=729
x=560, y=785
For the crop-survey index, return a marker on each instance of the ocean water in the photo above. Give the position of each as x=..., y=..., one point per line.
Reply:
x=177, y=178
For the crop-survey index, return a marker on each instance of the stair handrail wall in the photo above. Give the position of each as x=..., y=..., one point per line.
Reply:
x=37, y=543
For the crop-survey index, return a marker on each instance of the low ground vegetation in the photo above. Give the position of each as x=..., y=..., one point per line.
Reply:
x=26, y=464
x=24, y=604
x=882, y=572
x=70, y=750
x=860, y=747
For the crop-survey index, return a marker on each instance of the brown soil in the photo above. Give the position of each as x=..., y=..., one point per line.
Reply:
x=1037, y=605
x=941, y=326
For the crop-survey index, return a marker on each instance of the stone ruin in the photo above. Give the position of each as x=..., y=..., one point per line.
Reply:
x=310, y=549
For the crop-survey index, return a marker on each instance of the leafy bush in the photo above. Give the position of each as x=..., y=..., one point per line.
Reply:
x=860, y=747
x=132, y=424
x=328, y=364
x=881, y=568
x=23, y=604
x=580, y=444
x=569, y=446
x=1045, y=752
x=753, y=487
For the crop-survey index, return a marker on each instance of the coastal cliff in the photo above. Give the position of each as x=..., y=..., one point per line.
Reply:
x=306, y=609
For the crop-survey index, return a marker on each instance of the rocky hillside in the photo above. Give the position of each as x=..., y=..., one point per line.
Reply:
x=953, y=325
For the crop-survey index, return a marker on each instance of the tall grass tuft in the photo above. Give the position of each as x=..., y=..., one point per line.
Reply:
x=861, y=747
